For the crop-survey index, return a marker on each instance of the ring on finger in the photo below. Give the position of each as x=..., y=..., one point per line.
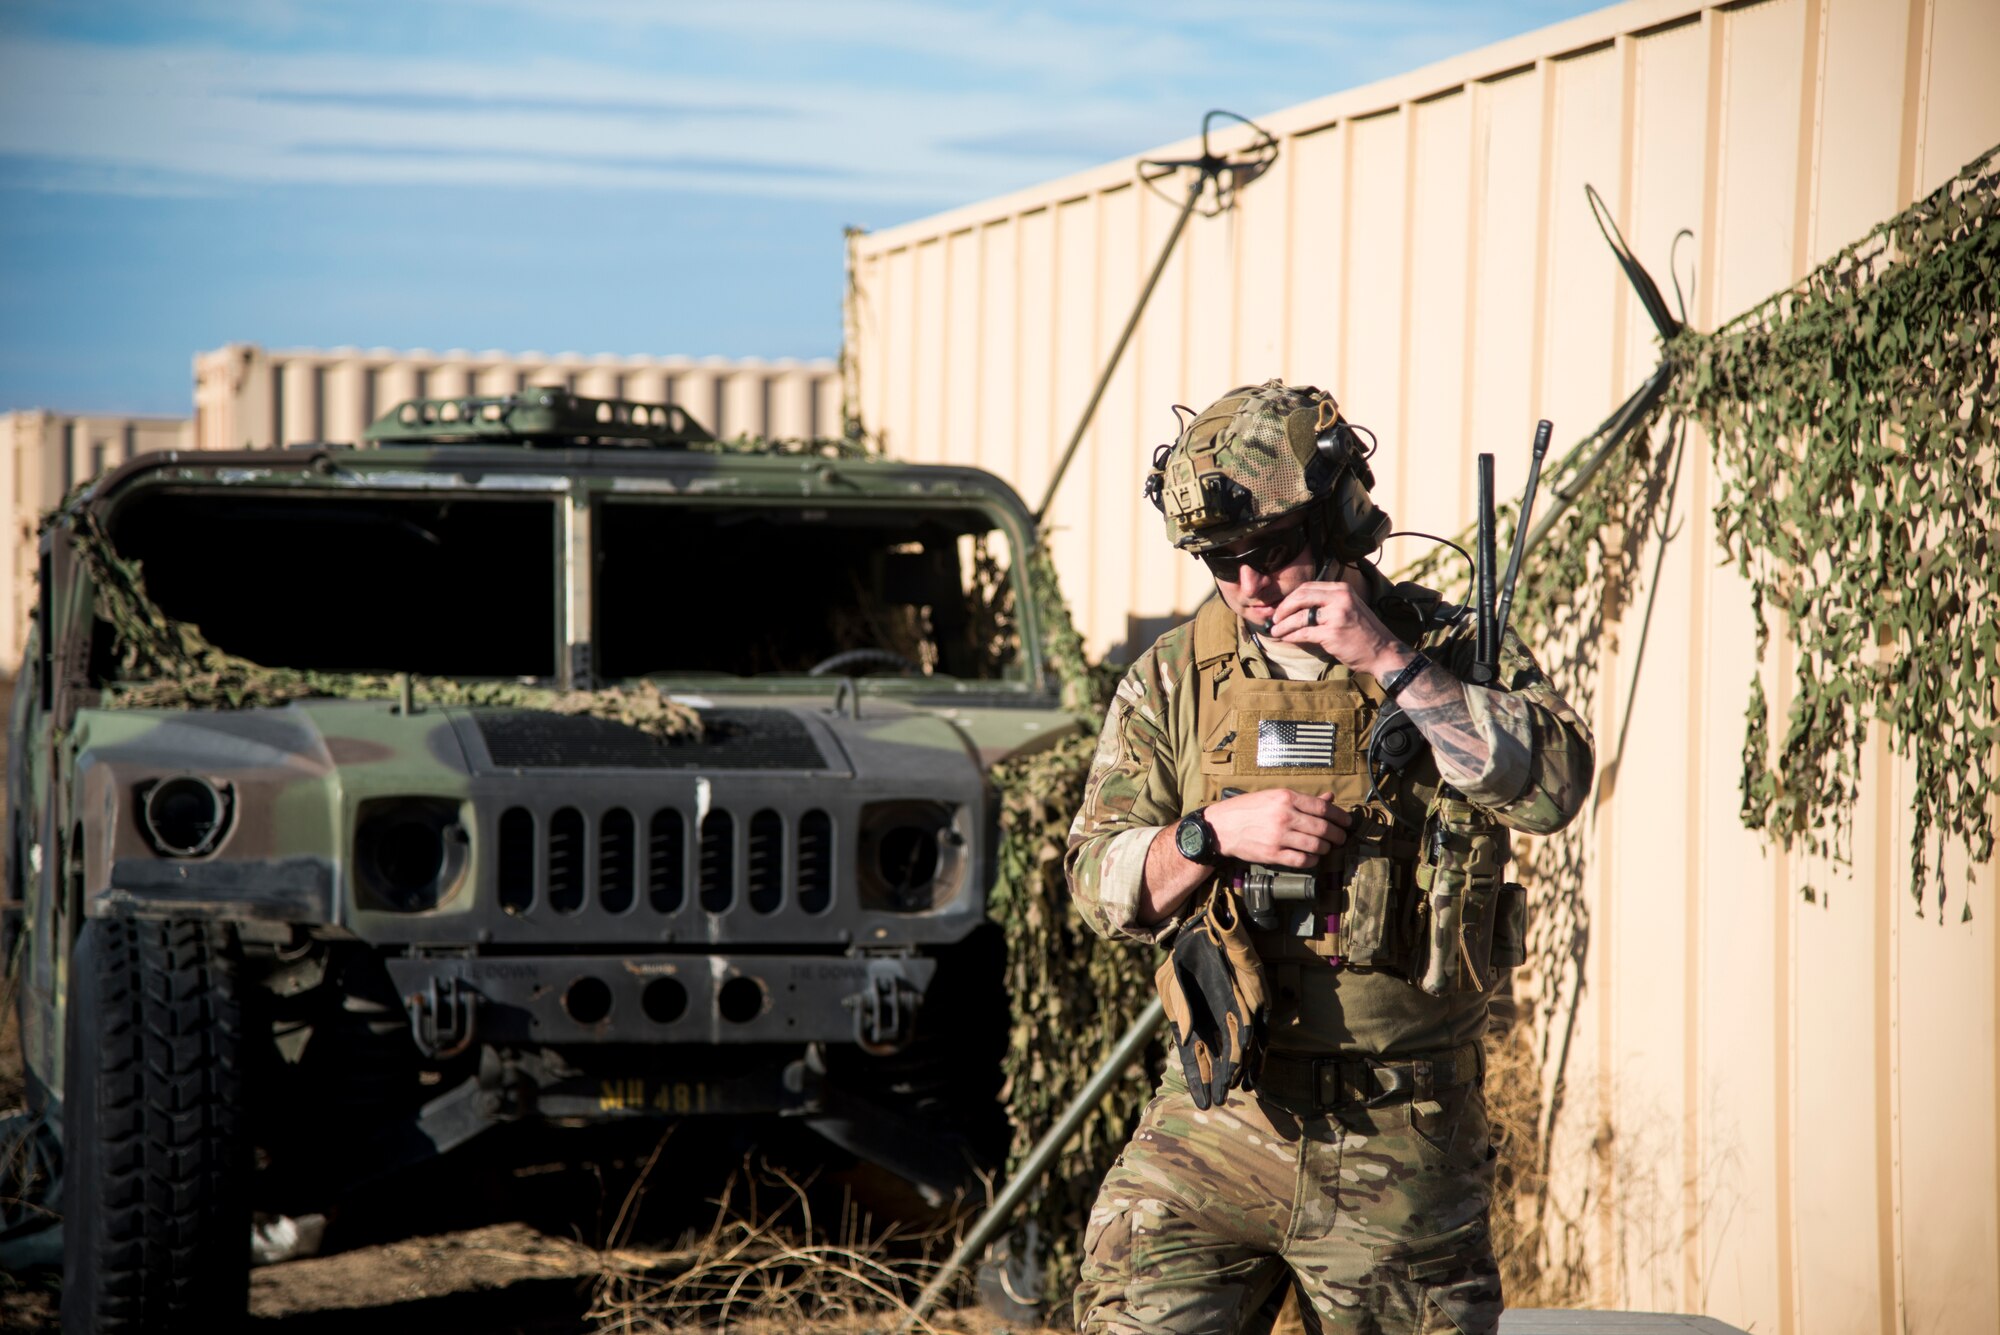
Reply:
x=1312, y=615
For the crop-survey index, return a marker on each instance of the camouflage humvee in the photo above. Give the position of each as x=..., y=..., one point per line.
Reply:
x=538, y=758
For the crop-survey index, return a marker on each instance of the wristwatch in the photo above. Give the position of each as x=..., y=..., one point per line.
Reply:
x=1194, y=837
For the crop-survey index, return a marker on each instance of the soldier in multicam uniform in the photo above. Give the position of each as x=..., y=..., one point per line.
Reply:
x=1256, y=742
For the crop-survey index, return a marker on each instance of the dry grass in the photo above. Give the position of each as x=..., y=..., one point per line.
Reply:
x=769, y=1262
x=13, y=1084
x=28, y=1168
x=1529, y=1275
x=767, y=1266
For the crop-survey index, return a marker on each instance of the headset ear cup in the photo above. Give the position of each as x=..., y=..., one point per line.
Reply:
x=1359, y=525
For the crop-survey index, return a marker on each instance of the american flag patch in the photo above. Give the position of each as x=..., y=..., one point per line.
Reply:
x=1284, y=743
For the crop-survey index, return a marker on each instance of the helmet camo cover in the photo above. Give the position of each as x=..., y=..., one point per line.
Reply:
x=1253, y=457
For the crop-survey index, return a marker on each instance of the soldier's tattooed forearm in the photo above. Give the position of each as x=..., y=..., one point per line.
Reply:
x=1436, y=703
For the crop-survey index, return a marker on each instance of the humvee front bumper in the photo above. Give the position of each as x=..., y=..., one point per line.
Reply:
x=517, y=1000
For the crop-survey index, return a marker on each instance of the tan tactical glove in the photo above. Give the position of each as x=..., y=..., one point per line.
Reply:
x=1212, y=986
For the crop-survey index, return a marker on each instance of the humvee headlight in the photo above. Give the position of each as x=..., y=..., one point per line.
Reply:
x=185, y=816
x=409, y=853
x=911, y=854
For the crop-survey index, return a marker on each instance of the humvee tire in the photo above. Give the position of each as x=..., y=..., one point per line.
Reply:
x=156, y=1232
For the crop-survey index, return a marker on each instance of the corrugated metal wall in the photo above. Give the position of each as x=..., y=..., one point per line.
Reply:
x=1779, y=1113
x=246, y=396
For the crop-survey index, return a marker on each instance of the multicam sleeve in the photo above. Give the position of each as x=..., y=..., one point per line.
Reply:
x=1540, y=755
x=1131, y=795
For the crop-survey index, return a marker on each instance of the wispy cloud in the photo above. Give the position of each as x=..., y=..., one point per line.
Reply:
x=394, y=99
x=210, y=114
x=581, y=162
x=894, y=101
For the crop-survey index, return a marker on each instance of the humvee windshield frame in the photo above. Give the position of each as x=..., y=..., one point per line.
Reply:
x=386, y=495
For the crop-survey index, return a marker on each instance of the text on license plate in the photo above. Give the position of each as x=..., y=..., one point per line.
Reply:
x=641, y=1095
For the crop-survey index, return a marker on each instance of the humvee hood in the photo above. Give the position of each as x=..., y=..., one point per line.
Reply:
x=311, y=752
x=293, y=792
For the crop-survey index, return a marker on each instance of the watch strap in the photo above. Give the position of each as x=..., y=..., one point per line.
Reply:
x=1408, y=673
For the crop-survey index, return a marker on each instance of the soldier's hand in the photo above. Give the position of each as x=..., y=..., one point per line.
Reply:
x=1278, y=827
x=1333, y=615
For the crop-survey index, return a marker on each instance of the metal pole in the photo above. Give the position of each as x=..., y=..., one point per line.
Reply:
x=1613, y=431
x=1104, y=381
x=1030, y=1172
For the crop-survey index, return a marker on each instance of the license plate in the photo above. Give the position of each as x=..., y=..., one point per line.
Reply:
x=638, y=1094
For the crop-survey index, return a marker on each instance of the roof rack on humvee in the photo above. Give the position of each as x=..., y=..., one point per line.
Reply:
x=548, y=417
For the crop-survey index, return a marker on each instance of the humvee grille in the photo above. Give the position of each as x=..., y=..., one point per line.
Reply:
x=815, y=884
x=565, y=863
x=733, y=739
x=718, y=861
x=517, y=860
x=784, y=862
x=764, y=874
x=615, y=860
x=666, y=846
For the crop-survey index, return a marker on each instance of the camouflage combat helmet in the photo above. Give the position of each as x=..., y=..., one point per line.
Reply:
x=1258, y=454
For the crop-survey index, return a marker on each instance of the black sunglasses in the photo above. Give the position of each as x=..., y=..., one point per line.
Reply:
x=1264, y=558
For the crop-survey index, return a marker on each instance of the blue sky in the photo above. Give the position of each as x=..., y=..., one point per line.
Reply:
x=570, y=175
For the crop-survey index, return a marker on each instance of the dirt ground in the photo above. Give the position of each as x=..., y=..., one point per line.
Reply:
x=503, y=1279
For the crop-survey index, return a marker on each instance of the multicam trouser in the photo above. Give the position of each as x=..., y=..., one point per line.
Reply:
x=1379, y=1213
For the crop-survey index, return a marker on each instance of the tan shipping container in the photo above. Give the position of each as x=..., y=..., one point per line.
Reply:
x=42, y=456
x=249, y=397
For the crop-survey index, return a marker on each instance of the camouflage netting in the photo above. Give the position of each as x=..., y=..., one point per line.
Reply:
x=166, y=664
x=1852, y=423
x=1073, y=994
x=1851, y=420
x=1854, y=428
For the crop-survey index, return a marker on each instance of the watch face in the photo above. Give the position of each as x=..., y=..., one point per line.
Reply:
x=1191, y=839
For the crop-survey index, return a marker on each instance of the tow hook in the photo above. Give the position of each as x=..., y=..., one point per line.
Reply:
x=885, y=1010
x=443, y=1016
